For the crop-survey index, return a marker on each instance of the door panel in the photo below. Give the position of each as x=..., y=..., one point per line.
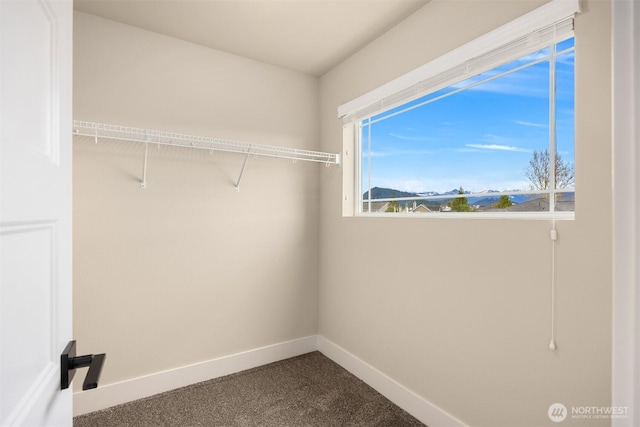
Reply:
x=35, y=209
x=31, y=53
x=26, y=253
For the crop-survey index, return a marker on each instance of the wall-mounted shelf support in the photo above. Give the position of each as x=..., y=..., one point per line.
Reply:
x=124, y=133
x=143, y=183
x=242, y=170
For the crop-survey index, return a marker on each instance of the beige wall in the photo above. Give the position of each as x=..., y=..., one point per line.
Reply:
x=189, y=270
x=459, y=310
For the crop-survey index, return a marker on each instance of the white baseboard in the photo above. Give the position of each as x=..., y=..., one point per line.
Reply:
x=109, y=395
x=420, y=408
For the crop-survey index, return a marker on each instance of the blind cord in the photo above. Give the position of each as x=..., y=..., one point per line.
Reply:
x=554, y=237
x=552, y=196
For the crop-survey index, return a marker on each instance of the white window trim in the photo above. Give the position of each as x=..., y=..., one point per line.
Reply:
x=528, y=216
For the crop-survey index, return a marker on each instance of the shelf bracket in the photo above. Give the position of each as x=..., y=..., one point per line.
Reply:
x=143, y=183
x=246, y=157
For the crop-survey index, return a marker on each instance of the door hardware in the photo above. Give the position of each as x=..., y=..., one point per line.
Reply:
x=69, y=362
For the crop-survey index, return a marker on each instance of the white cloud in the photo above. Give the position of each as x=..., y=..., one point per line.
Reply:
x=375, y=154
x=410, y=138
x=498, y=147
x=537, y=125
x=566, y=59
x=398, y=153
x=493, y=139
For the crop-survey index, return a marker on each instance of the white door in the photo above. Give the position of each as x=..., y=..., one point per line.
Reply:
x=35, y=210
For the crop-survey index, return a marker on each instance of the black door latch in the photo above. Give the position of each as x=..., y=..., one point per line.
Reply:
x=69, y=362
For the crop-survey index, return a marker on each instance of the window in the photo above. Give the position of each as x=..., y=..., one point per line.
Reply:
x=485, y=141
x=492, y=133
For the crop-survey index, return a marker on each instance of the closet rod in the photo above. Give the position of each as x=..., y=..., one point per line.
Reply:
x=124, y=133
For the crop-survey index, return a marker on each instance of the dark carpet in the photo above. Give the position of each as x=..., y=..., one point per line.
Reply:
x=308, y=390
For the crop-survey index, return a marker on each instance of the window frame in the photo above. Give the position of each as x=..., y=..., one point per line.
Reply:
x=360, y=188
x=401, y=91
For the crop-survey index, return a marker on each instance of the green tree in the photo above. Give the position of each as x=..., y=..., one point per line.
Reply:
x=460, y=204
x=393, y=206
x=504, y=202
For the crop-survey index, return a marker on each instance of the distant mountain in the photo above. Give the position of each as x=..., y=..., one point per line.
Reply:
x=492, y=200
x=486, y=199
x=515, y=198
x=483, y=201
x=390, y=193
x=387, y=193
x=452, y=192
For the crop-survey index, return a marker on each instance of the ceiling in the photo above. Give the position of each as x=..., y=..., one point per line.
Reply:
x=309, y=36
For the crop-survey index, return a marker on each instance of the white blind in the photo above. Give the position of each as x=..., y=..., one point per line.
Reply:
x=553, y=23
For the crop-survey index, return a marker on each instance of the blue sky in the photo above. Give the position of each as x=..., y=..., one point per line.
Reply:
x=480, y=138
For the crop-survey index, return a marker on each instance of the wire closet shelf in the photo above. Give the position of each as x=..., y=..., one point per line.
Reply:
x=146, y=136
x=124, y=133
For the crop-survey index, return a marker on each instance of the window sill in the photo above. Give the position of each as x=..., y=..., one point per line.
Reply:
x=562, y=216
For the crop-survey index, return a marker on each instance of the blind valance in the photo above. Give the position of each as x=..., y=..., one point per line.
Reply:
x=529, y=33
